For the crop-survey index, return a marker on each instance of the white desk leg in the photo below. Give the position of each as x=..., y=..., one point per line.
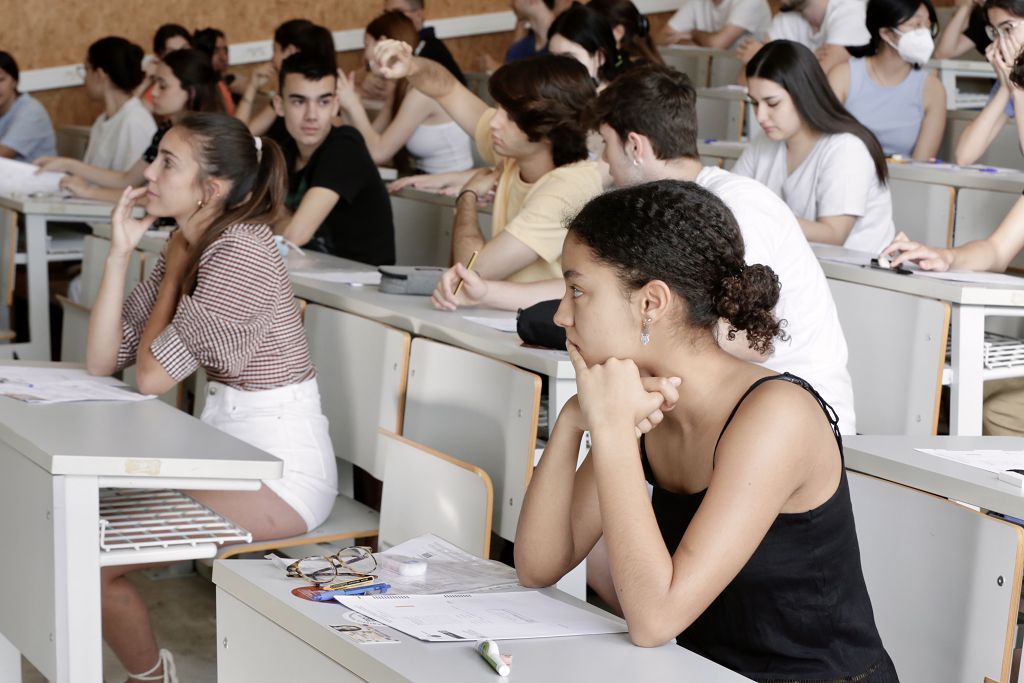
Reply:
x=966, y=388
x=10, y=661
x=77, y=580
x=38, y=347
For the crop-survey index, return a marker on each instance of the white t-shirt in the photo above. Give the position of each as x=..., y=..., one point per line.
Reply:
x=753, y=16
x=816, y=348
x=118, y=142
x=836, y=179
x=844, y=24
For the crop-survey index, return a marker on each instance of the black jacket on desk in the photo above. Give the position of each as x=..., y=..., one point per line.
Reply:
x=360, y=226
x=431, y=47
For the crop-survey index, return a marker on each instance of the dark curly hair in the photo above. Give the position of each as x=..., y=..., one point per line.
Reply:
x=546, y=96
x=683, y=235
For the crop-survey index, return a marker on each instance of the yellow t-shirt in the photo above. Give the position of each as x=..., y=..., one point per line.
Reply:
x=536, y=213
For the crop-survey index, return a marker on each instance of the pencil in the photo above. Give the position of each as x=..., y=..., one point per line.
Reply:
x=469, y=266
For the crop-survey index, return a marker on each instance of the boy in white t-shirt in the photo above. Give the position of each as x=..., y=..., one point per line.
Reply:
x=827, y=27
x=716, y=23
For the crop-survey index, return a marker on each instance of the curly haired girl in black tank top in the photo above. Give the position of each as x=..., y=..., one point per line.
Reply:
x=747, y=552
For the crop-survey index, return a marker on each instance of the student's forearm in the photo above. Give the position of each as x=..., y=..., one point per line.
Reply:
x=978, y=255
x=105, y=332
x=946, y=46
x=511, y=296
x=1018, y=105
x=159, y=318
x=243, y=111
x=467, y=236
x=631, y=532
x=430, y=78
x=817, y=231
x=102, y=177
x=296, y=234
x=983, y=129
x=7, y=153
x=544, y=547
x=104, y=194
x=360, y=121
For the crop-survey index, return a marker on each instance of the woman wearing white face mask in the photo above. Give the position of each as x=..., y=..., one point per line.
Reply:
x=885, y=87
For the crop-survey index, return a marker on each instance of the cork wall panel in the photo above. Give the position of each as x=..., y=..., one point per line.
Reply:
x=58, y=32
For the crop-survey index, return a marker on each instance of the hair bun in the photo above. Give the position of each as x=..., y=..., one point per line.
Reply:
x=747, y=300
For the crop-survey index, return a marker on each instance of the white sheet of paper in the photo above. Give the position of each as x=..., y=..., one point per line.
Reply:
x=19, y=177
x=456, y=617
x=830, y=252
x=974, y=277
x=449, y=568
x=345, y=277
x=995, y=461
x=500, y=324
x=62, y=385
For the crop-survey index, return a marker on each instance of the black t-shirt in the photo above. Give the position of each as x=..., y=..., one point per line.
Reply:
x=976, y=29
x=359, y=227
x=433, y=48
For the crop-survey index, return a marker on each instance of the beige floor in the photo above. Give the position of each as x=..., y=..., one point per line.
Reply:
x=183, y=617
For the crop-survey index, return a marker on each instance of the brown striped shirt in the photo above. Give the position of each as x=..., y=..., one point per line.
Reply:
x=241, y=324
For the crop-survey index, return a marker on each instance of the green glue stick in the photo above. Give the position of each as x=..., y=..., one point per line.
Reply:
x=488, y=649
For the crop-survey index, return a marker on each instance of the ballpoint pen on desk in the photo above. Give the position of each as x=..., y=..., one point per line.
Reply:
x=469, y=266
x=324, y=596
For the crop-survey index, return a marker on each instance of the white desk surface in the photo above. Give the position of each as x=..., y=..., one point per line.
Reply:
x=415, y=314
x=964, y=293
x=128, y=439
x=54, y=205
x=894, y=458
x=264, y=588
x=436, y=198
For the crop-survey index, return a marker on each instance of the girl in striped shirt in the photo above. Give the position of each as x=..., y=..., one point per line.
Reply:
x=218, y=299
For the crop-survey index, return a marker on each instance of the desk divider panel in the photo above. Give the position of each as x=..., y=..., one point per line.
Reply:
x=923, y=210
x=897, y=349
x=944, y=581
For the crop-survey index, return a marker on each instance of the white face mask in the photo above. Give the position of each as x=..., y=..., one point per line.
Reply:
x=915, y=46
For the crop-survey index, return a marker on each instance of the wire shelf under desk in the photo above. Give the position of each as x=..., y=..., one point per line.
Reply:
x=143, y=525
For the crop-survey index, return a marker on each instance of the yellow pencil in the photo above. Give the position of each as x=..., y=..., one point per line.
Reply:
x=469, y=266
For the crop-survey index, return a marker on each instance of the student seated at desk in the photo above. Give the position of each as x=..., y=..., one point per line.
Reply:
x=409, y=119
x=886, y=89
x=827, y=27
x=536, y=138
x=716, y=23
x=185, y=82
x=583, y=33
x=538, y=14
x=296, y=35
x=120, y=135
x=167, y=39
x=219, y=299
x=1006, y=19
x=429, y=45
x=828, y=167
x=338, y=202
x=649, y=124
x=214, y=44
x=966, y=29
x=632, y=31
x=26, y=132
x=747, y=553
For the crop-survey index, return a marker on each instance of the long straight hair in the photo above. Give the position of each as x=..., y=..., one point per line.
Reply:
x=226, y=149
x=794, y=67
x=194, y=72
x=588, y=28
x=636, y=44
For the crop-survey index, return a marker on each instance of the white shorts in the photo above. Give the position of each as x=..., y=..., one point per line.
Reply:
x=286, y=422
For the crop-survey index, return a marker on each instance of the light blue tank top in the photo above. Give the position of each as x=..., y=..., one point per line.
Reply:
x=894, y=113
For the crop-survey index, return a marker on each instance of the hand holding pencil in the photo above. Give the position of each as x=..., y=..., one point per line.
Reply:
x=459, y=286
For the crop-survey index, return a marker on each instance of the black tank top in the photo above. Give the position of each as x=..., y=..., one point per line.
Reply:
x=799, y=609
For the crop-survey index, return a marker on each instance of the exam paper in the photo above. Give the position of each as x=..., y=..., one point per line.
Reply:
x=346, y=277
x=466, y=616
x=500, y=324
x=19, y=177
x=829, y=252
x=61, y=385
x=990, y=460
x=449, y=569
x=974, y=277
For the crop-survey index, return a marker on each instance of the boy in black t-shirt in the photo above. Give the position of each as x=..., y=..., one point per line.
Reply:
x=338, y=202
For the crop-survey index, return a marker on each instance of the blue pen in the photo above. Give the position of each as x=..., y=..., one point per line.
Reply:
x=324, y=596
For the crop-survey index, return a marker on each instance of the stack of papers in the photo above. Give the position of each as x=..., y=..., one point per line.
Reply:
x=1006, y=465
x=449, y=568
x=345, y=277
x=18, y=177
x=974, y=277
x=61, y=385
